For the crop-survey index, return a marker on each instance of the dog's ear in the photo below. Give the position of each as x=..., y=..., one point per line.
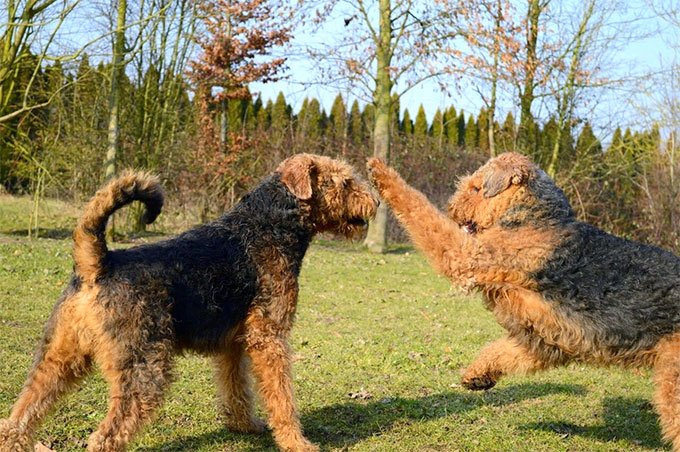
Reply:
x=502, y=177
x=296, y=174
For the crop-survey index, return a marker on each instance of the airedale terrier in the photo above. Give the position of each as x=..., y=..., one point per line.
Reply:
x=227, y=289
x=564, y=290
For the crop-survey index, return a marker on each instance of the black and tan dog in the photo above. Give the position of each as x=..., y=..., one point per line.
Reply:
x=564, y=290
x=227, y=289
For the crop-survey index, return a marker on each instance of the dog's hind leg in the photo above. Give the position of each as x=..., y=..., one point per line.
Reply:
x=138, y=378
x=233, y=383
x=59, y=364
x=667, y=391
x=504, y=357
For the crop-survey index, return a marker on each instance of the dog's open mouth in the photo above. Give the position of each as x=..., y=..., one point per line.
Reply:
x=469, y=227
x=357, y=221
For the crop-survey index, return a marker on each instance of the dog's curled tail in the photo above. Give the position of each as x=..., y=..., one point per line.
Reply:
x=89, y=242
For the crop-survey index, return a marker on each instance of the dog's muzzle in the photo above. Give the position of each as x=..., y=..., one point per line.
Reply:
x=470, y=227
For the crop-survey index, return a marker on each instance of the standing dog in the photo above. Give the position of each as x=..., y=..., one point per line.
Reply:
x=227, y=289
x=563, y=290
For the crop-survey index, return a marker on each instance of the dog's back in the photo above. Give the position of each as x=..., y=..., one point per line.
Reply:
x=206, y=278
x=202, y=282
x=629, y=291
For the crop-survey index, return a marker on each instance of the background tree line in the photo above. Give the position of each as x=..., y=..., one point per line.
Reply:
x=169, y=93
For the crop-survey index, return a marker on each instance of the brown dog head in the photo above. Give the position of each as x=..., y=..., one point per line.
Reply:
x=334, y=198
x=509, y=190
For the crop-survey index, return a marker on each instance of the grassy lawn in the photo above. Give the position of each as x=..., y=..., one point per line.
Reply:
x=380, y=341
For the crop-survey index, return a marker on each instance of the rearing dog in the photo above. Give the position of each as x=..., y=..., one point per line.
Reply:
x=564, y=290
x=227, y=289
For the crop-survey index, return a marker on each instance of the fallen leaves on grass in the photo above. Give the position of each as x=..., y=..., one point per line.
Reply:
x=362, y=394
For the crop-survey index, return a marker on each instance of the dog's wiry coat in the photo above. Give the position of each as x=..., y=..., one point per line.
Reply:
x=226, y=289
x=563, y=290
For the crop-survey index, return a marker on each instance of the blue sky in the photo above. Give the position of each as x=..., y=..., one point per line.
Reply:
x=608, y=109
x=648, y=54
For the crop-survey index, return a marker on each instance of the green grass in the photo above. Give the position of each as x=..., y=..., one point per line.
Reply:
x=382, y=328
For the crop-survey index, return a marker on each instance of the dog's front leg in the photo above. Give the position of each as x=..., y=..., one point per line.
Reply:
x=439, y=238
x=233, y=383
x=267, y=346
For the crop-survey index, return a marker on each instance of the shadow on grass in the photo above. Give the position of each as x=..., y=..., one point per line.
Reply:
x=141, y=236
x=400, y=248
x=64, y=233
x=631, y=419
x=344, y=424
x=220, y=438
x=43, y=233
x=334, y=243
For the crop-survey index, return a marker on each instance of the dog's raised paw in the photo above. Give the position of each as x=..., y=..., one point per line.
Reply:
x=377, y=171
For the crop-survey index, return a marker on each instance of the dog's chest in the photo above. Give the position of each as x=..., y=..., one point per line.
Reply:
x=277, y=290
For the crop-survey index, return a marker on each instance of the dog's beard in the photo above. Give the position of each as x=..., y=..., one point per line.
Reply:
x=354, y=228
x=348, y=229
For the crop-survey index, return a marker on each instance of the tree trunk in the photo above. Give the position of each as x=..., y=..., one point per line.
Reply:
x=117, y=72
x=224, y=124
x=376, y=238
x=526, y=121
x=494, y=79
x=566, y=103
x=21, y=23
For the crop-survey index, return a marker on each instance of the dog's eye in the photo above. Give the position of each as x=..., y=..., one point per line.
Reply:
x=327, y=184
x=339, y=182
x=474, y=189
